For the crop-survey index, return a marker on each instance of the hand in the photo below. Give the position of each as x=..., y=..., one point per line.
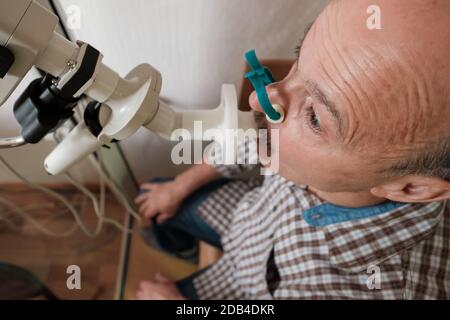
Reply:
x=159, y=289
x=161, y=200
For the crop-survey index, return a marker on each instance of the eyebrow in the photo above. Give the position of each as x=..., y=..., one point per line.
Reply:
x=330, y=106
x=298, y=48
x=317, y=92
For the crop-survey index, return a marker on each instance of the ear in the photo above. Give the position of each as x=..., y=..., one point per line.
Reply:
x=414, y=188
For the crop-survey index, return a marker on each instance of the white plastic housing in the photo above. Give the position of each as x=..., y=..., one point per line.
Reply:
x=198, y=124
x=78, y=144
x=27, y=29
x=133, y=101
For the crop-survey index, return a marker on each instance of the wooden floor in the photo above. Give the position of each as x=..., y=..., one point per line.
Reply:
x=48, y=257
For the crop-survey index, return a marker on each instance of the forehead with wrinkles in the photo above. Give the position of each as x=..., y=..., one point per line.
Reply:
x=389, y=85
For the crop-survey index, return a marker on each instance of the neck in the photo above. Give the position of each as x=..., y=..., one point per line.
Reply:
x=348, y=199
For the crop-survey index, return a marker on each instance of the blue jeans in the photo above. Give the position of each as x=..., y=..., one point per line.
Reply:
x=185, y=229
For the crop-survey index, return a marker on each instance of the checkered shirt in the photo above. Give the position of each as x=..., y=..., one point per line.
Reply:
x=272, y=252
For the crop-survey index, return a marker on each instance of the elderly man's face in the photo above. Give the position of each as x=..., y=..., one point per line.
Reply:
x=352, y=104
x=321, y=117
x=313, y=145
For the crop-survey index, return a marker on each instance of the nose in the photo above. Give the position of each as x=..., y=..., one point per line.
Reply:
x=275, y=95
x=254, y=103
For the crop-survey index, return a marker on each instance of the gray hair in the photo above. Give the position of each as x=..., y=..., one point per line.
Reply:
x=434, y=161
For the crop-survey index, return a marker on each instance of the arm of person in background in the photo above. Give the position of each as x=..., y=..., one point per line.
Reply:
x=163, y=199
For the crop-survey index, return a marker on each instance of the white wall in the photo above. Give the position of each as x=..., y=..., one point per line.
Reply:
x=196, y=44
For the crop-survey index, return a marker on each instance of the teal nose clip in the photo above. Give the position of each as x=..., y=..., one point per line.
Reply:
x=260, y=77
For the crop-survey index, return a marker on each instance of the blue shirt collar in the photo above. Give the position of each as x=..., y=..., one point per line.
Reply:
x=326, y=214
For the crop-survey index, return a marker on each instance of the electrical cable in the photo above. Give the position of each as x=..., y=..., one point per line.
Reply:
x=50, y=193
x=98, y=208
x=118, y=193
x=24, y=213
x=98, y=205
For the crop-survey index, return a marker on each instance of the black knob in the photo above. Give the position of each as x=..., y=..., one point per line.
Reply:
x=6, y=61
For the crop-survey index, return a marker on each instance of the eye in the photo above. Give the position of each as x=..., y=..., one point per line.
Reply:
x=312, y=119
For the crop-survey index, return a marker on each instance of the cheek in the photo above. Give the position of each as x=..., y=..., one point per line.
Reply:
x=309, y=162
x=298, y=159
x=300, y=164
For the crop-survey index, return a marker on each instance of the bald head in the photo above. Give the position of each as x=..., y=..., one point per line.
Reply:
x=393, y=81
x=369, y=107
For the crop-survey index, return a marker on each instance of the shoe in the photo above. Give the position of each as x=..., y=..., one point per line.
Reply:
x=189, y=255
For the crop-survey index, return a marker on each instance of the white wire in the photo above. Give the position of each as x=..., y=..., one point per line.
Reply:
x=10, y=213
x=99, y=206
x=98, y=209
x=51, y=193
x=97, y=163
x=23, y=213
x=118, y=193
x=95, y=204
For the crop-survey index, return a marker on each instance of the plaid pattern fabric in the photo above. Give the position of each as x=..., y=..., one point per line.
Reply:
x=270, y=252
